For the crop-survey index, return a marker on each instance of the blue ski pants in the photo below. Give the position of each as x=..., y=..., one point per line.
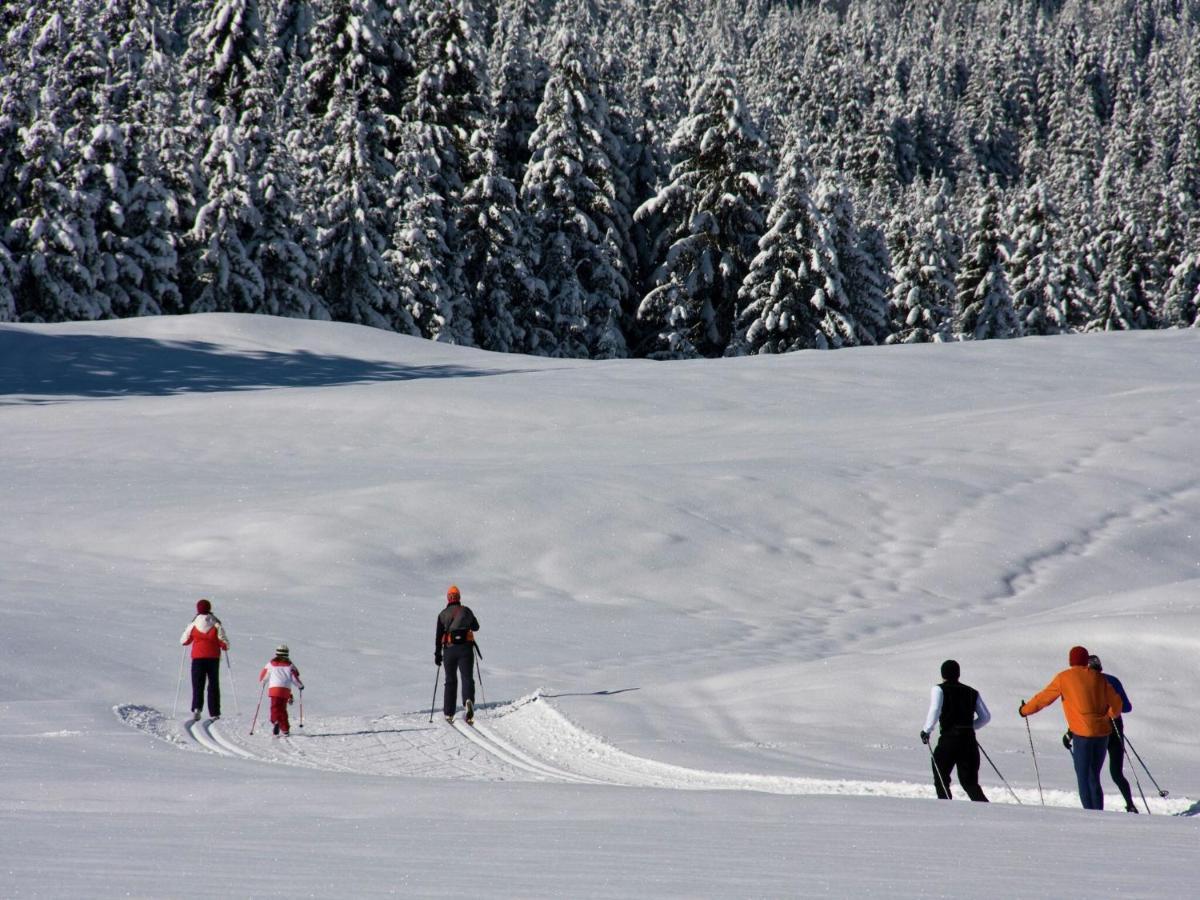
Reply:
x=1089, y=753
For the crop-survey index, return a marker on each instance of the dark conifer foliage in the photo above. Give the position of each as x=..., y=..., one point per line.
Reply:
x=469, y=170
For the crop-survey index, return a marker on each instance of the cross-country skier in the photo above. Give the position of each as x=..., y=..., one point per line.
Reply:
x=454, y=644
x=207, y=636
x=960, y=711
x=280, y=675
x=1090, y=704
x=1116, y=740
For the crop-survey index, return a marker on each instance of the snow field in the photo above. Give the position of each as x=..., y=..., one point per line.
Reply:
x=733, y=583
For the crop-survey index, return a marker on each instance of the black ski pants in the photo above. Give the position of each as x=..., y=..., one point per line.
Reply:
x=1116, y=763
x=957, y=749
x=459, y=660
x=206, y=670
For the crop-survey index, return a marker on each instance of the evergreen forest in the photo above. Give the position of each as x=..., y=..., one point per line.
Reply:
x=607, y=178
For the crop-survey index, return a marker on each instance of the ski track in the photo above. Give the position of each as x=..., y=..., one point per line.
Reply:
x=528, y=740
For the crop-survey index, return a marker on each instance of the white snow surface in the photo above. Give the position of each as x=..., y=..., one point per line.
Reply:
x=713, y=598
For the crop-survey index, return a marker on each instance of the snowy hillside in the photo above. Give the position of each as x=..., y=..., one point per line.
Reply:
x=713, y=598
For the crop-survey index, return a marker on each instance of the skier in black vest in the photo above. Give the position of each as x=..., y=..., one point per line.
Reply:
x=454, y=644
x=960, y=712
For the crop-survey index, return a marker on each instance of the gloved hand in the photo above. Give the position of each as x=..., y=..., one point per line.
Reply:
x=1021, y=707
x=291, y=700
x=1067, y=739
x=924, y=737
x=437, y=658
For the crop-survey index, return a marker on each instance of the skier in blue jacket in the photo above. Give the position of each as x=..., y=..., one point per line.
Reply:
x=1116, y=740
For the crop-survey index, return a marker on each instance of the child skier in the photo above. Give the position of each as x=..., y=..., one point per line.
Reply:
x=280, y=675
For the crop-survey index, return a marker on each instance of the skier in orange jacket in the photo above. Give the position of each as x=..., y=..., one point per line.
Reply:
x=1090, y=705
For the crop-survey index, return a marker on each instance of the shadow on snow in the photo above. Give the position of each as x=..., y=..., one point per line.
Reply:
x=41, y=368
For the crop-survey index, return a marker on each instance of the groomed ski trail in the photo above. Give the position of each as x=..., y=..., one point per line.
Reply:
x=525, y=740
x=500, y=748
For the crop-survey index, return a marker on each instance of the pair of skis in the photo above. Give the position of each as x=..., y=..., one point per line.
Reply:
x=469, y=718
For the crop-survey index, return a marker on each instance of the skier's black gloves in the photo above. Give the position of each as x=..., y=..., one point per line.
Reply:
x=437, y=659
x=1067, y=739
x=924, y=737
x=1021, y=707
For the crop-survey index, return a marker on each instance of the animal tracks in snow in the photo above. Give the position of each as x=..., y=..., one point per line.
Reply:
x=525, y=740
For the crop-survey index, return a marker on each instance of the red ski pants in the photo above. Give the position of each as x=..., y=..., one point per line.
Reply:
x=279, y=713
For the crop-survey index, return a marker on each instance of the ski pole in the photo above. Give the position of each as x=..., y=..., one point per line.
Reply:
x=301, y=707
x=1129, y=744
x=997, y=771
x=937, y=771
x=179, y=684
x=1036, y=772
x=232, y=685
x=479, y=669
x=257, y=708
x=1120, y=732
x=433, y=702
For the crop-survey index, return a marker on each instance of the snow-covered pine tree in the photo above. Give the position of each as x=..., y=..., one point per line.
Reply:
x=863, y=278
x=870, y=156
x=13, y=113
x=1185, y=168
x=1035, y=272
x=1182, y=295
x=926, y=255
x=224, y=64
x=9, y=275
x=509, y=309
x=103, y=178
x=1123, y=288
x=1081, y=273
x=288, y=26
x=986, y=130
x=53, y=229
x=356, y=280
x=569, y=192
x=120, y=167
x=54, y=234
x=622, y=136
x=361, y=49
x=143, y=69
x=225, y=54
x=75, y=64
x=282, y=245
x=713, y=213
x=358, y=64
x=793, y=296
x=449, y=106
x=985, y=309
x=221, y=273
x=427, y=303
x=150, y=219
x=518, y=80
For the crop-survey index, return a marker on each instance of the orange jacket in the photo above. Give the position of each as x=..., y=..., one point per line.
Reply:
x=1089, y=701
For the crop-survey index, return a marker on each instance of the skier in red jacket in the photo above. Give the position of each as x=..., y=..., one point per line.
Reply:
x=207, y=636
x=280, y=675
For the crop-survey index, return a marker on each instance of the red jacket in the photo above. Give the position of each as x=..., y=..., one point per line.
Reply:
x=206, y=634
x=1089, y=701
